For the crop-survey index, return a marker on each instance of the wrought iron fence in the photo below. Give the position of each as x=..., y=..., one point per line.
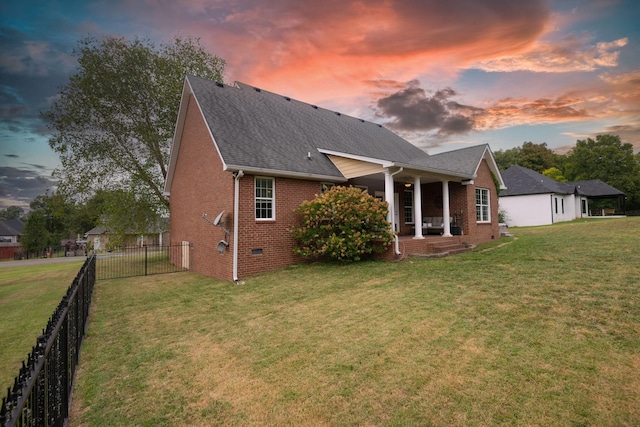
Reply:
x=142, y=261
x=41, y=393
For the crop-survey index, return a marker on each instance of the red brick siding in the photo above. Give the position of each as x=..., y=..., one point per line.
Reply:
x=271, y=236
x=482, y=232
x=201, y=186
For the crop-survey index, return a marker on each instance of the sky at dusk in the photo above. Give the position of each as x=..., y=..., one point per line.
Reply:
x=442, y=74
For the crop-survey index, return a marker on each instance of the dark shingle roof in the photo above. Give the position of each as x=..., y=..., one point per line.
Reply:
x=463, y=160
x=522, y=181
x=11, y=227
x=254, y=128
x=596, y=188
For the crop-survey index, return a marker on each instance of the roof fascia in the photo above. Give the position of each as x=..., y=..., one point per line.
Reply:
x=390, y=164
x=493, y=166
x=286, y=174
x=177, y=135
x=442, y=172
x=383, y=163
x=187, y=93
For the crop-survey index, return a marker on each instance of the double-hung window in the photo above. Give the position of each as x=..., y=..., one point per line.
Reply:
x=482, y=205
x=265, y=198
x=408, y=207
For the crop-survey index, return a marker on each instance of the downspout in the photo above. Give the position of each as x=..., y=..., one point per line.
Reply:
x=236, y=215
x=393, y=213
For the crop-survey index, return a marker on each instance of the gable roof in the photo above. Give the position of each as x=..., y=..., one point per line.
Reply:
x=262, y=132
x=524, y=181
x=11, y=227
x=466, y=161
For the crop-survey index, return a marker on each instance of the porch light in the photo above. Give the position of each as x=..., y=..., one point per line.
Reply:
x=407, y=184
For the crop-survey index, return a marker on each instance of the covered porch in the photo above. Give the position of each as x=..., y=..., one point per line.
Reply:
x=442, y=206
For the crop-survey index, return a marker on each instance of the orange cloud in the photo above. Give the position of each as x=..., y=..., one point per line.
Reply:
x=332, y=48
x=571, y=54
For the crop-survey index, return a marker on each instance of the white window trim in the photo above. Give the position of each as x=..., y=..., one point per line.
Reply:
x=404, y=204
x=488, y=220
x=273, y=198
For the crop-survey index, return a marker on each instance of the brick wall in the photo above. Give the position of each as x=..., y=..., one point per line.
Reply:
x=267, y=244
x=201, y=186
x=482, y=232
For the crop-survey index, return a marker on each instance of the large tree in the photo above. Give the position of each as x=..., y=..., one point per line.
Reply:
x=533, y=156
x=113, y=122
x=610, y=160
x=35, y=234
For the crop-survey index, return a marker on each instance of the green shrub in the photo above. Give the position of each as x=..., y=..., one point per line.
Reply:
x=343, y=223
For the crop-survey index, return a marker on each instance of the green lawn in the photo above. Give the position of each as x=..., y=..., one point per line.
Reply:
x=541, y=331
x=28, y=297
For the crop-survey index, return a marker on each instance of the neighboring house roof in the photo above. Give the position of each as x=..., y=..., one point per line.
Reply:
x=262, y=132
x=596, y=188
x=163, y=225
x=96, y=231
x=11, y=227
x=524, y=181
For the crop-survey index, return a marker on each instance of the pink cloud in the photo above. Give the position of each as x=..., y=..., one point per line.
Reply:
x=333, y=48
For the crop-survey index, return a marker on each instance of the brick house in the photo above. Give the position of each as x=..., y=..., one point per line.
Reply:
x=248, y=158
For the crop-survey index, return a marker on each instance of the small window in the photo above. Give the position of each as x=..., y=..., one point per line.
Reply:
x=482, y=205
x=556, y=200
x=408, y=206
x=562, y=202
x=264, y=198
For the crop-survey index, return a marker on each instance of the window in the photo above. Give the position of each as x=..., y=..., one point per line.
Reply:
x=264, y=198
x=482, y=205
x=562, y=202
x=408, y=207
x=556, y=200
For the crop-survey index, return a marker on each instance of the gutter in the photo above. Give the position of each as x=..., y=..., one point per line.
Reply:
x=393, y=215
x=236, y=221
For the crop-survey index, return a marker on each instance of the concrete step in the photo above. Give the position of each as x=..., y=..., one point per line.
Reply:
x=442, y=250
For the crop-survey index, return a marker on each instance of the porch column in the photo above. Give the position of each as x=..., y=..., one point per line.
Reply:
x=445, y=209
x=388, y=197
x=417, y=208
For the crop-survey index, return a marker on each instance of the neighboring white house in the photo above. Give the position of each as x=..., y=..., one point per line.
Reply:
x=534, y=199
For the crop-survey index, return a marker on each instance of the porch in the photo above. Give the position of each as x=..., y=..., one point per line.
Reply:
x=431, y=246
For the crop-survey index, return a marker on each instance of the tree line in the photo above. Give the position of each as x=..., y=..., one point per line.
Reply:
x=605, y=158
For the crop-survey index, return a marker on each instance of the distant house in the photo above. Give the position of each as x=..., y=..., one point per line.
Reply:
x=98, y=238
x=10, y=232
x=534, y=199
x=243, y=159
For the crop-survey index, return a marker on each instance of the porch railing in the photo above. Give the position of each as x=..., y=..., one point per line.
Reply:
x=41, y=393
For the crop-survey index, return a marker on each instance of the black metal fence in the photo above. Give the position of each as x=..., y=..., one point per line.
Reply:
x=142, y=261
x=41, y=393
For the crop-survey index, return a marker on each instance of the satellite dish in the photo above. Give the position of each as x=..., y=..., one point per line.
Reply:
x=218, y=218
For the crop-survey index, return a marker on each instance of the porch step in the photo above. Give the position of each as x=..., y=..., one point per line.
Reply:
x=444, y=249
